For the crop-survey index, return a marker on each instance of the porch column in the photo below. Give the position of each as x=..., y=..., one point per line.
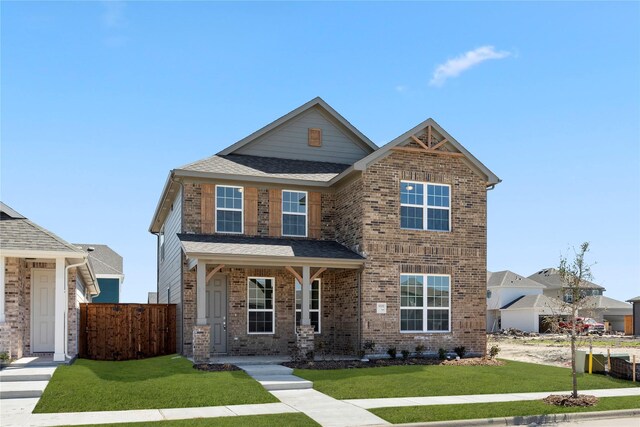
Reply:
x=201, y=292
x=2, y=318
x=305, y=319
x=60, y=312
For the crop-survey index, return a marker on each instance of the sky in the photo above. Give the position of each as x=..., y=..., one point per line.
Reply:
x=100, y=100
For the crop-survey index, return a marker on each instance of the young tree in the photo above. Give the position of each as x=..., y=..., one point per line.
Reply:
x=574, y=273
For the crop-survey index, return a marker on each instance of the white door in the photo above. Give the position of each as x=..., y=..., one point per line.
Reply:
x=42, y=295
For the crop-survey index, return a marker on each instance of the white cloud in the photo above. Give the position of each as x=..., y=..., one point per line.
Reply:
x=454, y=67
x=113, y=16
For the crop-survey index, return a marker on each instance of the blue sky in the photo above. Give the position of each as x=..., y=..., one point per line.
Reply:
x=101, y=100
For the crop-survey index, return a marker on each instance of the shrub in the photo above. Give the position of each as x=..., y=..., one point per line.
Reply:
x=460, y=351
x=442, y=353
x=361, y=354
x=493, y=351
x=392, y=352
x=368, y=345
x=405, y=354
x=420, y=350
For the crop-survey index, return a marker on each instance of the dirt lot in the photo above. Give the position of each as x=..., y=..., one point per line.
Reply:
x=551, y=349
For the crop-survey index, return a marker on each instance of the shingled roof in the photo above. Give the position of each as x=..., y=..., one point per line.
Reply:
x=235, y=164
x=103, y=259
x=19, y=233
x=220, y=245
x=550, y=277
x=509, y=279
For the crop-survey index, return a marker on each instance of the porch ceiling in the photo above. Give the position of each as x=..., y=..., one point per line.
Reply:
x=265, y=251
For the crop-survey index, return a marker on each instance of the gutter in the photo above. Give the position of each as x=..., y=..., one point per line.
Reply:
x=66, y=290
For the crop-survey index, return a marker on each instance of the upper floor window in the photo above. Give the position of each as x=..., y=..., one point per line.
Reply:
x=294, y=213
x=420, y=211
x=314, y=305
x=425, y=303
x=229, y=205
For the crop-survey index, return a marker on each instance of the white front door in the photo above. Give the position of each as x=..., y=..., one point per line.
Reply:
x=43, y=283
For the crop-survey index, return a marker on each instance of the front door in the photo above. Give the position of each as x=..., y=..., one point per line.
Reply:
x=217, y=313
x=43, y=297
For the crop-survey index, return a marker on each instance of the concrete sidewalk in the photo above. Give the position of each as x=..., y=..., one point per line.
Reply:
x=481, y=398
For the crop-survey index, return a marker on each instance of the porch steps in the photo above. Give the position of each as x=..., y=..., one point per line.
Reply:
x=24, y=382
x=276, y=377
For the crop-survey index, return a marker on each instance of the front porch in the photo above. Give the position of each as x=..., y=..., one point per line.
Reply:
x=263, y=302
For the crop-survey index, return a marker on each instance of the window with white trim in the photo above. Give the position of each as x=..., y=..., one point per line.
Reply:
x=294, y=213
x=314, y=305
x=414, y=203
x=261, y=312
x=229, y=205
x=425, y=303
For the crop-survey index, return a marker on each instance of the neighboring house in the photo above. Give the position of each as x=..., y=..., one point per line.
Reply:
x=107, y=265
x=152, y=298
x=607, y=309
x=555, y=288
x=636, y=315
x=504, y=287
x=306, y=232
x=43, y=279
x=528, y=313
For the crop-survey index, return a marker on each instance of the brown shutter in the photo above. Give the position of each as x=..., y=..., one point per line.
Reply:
x=315, y=215
x=275, y=212
x=207, y=208
x=250, y=211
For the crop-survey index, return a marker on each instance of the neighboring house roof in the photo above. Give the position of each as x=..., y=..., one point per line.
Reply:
x=605, y=303
x=103, y=259
x=263, y=167
x=19, y=233
x=551, y=279
x=231, y=248
x=314, y=103
x=534, y=301
x=636, y=299
x=509, y=279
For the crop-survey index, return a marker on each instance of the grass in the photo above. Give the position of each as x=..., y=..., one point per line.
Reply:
x=449, y=380
x=275, y=420
x=584, y=342
x=413, y=414
x=159, y=382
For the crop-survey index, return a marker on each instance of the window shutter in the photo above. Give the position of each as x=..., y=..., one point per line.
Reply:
x=207, y=208
x=250, y=211
x=275, y=212
x=315, y=215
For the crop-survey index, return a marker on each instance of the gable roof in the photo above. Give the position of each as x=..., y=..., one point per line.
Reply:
x=468, y=158
x=264, y=167
x=20, y=234
x=551, y=279
x=535, y=301
x=636, y=299
x=509, y=279
x=316, y=102
x=103, y=259
x=606, y=303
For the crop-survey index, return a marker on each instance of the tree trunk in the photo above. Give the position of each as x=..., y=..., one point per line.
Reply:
x=574, y=375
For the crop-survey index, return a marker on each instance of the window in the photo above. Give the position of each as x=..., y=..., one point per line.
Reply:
x=413, y=205
x=314, y=304
x=261, y=307
x=228, y=209
x=294, y=213
x=424, y=309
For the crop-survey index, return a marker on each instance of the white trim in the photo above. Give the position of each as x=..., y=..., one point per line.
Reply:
x=110, y=276
x=305, y=214
x=28, y=253
x=425, y=205
x=311, y=310
x=241, y=210
x=424, y=307
x=255, y=310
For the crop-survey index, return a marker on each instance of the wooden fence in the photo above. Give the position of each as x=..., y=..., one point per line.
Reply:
x=126, y=331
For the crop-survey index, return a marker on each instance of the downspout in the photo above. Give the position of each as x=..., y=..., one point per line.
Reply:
x=359, y=286
x=66, y=306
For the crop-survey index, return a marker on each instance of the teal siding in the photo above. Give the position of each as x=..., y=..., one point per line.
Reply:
x=109, y=291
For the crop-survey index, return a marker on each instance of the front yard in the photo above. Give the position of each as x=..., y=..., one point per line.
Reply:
x=274, y=420
x=449, y=380
x=160, y=382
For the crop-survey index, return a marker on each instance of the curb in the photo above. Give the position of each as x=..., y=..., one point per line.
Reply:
x=532, y=419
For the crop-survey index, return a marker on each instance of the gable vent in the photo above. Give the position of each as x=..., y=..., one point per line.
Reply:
x=315, y=137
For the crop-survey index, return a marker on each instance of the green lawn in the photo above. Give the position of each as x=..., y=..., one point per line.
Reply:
x=413, y=414
x=448, y=380
x=583, y=343
x=159, y=382
x=276, y=420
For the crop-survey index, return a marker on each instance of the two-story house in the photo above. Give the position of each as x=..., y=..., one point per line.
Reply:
x=306, y=232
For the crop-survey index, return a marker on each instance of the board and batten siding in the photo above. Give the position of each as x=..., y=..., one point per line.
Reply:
x=170, y=268
x=290, y=141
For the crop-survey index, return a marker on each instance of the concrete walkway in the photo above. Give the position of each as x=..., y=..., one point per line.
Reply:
x=481, y=398
x=276, y=377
